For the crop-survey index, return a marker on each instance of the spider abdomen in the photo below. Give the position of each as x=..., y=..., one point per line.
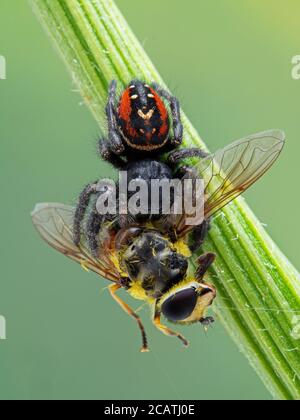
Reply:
x=143, y=118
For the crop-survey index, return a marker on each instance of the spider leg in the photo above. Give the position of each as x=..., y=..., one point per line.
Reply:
x=184, y=171
x=96, y=220
x=178, y=155
x=81, y=208
x=175, y=109
x=115, y=141
x=92, y=230
x=107, y=155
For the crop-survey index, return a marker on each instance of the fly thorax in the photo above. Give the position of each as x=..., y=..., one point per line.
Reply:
x=151, y=261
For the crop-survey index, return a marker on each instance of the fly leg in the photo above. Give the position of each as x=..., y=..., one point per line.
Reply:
x=165, y=330
x=208, y=292
x=207, y=321
x=113, y=289
x=199, y=235
x=204, y=262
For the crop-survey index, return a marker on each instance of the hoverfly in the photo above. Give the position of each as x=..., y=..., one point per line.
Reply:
x=144, y=260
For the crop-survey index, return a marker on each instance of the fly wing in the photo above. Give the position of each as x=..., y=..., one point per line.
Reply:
x=54, y=223
x=231, y=171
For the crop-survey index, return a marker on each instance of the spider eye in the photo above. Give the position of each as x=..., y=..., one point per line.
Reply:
x=181, y=305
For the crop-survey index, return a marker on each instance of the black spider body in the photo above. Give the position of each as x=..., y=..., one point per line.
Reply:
x=141, y=130
x=149, y=169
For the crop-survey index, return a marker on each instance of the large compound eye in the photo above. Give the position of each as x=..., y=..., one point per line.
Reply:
x=180, y=305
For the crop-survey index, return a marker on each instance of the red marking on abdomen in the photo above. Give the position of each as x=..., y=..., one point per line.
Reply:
x=163, y=112
x=125, y=106
x=164, y=129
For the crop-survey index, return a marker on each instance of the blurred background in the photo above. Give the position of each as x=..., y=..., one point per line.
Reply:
x=229, y=62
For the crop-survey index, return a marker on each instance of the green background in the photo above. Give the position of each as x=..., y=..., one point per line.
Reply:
x=229, y=62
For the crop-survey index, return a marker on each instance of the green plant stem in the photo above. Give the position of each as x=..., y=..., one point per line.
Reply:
x=258, y=288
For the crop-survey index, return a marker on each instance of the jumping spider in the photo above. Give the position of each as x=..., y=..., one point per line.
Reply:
x=139, y=135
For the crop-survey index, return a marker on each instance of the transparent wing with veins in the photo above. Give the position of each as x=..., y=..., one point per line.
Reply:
x=231, y=171
x=54, y=222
